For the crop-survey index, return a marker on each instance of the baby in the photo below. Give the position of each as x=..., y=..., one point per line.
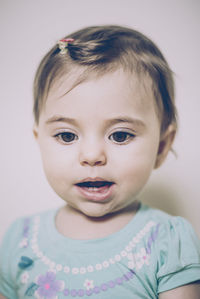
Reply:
x=104, y=119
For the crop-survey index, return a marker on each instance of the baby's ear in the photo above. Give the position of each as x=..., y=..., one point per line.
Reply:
x=165, y=144
x=35, y=131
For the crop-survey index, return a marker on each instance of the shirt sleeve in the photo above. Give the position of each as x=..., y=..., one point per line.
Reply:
x=179, y=255
x=7, y=253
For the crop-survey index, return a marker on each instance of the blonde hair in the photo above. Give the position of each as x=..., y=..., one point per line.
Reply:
x=102, y=49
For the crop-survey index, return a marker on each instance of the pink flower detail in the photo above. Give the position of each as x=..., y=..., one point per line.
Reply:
x=48, y=285
x=89, y=284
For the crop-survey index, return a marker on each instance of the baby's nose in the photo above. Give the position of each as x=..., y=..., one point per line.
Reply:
x=92, y=154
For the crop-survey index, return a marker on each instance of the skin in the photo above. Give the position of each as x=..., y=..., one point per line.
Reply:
x=97, y=108
x=191, y=291
x=92, y=113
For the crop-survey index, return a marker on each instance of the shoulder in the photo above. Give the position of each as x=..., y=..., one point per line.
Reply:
x=8, y=249
x=175, y=235
x=13, y=234
x=14, y=246
x=177, y=250
x=175, y=231
x=20, y=228
x=170, y=226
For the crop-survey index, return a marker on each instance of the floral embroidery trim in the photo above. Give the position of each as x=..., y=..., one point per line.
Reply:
x=47, y=286
x=90, y=268
x=137, y=260
x=100, y=288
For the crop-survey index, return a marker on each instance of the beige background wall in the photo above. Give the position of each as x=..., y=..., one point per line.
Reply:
x=28, y=29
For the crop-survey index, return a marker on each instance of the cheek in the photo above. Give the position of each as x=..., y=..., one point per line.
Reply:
x=136, y=170
x=137, y=162
x=58, y=161
x=57, y=174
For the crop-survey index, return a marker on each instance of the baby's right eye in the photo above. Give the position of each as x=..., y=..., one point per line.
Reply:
x=66, y=137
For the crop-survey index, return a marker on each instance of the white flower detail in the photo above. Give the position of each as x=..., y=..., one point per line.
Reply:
x=106, y=264
x=138, y=259
x=139, y=265
x=59, y=267
x=89, y=284
x=112, y=261
x=75, y=270
x=98, y=266
x=66, y=269
x=90, y=268
x=82, y=270
x=131, y=264
x=25, y=277
x=124, y=253
x=23, y=243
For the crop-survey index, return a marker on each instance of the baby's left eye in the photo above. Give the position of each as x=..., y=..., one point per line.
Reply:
x=121, y=137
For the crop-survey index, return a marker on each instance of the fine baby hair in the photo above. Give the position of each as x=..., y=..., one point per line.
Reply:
x=105, y=117
x=103, y=49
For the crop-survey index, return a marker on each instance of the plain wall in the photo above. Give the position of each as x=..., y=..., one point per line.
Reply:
x=28, y=29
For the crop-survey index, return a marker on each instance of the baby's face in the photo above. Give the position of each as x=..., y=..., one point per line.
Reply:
x=99, y=142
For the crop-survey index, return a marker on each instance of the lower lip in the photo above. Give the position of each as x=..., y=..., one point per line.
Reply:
x=101, y=195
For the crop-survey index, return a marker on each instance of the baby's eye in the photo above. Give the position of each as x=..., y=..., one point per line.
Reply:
x=121, y=137
x=66, y=137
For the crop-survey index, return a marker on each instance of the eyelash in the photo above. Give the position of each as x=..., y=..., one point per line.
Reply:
x=122, y=136
x=60, y=136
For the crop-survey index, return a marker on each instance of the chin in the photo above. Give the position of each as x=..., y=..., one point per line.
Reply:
x=95, y=212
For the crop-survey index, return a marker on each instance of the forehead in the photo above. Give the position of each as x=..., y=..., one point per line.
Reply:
x=130, y=86
x=99, y=99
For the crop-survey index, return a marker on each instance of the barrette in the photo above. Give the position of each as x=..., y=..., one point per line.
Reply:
x=63, y=43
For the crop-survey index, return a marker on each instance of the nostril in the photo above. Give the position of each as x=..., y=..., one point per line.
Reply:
x=93, y=159
x=93, y=163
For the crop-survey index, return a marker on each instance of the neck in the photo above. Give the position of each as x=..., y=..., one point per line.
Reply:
x=74, y=224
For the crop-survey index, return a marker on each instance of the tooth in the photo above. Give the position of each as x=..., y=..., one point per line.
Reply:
x=93, y=188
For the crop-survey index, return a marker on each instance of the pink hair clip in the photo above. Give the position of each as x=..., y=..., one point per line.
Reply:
x=63, y=43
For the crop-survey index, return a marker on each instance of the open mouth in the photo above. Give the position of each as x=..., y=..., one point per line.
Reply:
x=94, y=184
x=98, y=190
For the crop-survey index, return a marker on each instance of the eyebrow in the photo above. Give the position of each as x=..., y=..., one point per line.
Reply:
x=125, y=119
x=57, y=118
x=108, y=122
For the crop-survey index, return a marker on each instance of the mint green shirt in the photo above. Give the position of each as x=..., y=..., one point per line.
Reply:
x=153, y=253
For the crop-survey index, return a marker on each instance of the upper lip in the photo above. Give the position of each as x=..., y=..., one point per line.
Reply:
x=97, y=179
